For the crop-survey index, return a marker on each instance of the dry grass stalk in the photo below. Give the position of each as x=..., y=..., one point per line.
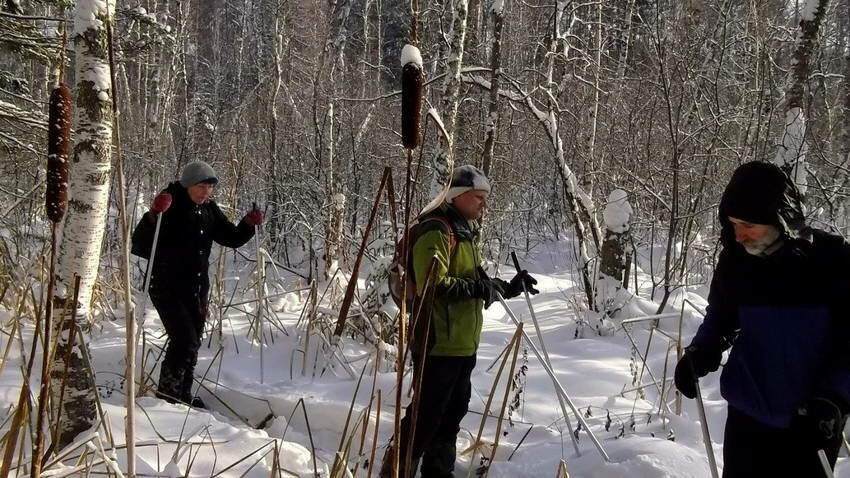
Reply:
x=368, y=409
x=416, y=385
x=508, y=387
x=477, y=444
x=375, y=435
x=309, y=431
x=344, y=434
x=562, y=471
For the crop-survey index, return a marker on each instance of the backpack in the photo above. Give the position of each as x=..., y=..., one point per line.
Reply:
x=399, y=265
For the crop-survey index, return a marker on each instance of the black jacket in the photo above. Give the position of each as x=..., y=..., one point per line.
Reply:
x=185, y=240
x=785, y=314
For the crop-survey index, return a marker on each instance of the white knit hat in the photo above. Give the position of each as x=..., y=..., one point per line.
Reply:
x=466, y=178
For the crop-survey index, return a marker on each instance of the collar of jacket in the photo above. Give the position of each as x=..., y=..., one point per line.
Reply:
x=180, y=196
x=463, y=228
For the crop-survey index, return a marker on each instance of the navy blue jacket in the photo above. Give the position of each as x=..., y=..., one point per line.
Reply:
x=784, y=315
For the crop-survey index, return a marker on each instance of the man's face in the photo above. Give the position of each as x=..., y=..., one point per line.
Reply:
x=754, y=237
x=199, y=193
x=471, y=204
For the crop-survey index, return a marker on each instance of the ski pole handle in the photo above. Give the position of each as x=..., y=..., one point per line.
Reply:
x=516, y=262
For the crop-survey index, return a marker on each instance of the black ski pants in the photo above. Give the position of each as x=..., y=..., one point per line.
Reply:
x=443, y=402
x=752, y=449
x=183, y=316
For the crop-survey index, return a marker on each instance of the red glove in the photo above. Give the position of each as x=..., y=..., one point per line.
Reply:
x=161, y=202
x=254, y=217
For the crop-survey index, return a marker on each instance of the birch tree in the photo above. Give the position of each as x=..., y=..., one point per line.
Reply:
x=791, y=153
x=79, y=252
x=442, y=158
x=497, y=11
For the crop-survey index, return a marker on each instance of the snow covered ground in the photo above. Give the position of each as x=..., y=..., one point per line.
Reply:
x=251, y=407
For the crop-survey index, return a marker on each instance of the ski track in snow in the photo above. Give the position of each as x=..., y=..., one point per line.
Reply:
x=593, y=369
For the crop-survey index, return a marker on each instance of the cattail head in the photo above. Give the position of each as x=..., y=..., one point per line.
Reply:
x=58, y=145
x=412, y=83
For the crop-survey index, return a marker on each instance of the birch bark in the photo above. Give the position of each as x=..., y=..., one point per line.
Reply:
x=85, y=222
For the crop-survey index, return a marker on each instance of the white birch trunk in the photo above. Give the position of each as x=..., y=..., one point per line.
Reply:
x=442, y=159
x=791, y=153
x=333, y=227
x=79, y=252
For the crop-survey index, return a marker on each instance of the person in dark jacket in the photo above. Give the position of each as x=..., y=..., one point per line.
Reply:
x=179, y=284
x=778, y=300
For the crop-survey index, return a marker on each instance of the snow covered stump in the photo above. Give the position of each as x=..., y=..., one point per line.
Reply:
x=610, y=295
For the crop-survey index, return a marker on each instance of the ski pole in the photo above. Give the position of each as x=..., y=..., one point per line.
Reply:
x=149, y=270
x=147, y=284
x=261, y=294
x=825, y=463
x=545, y=353
x=559, y=389
x=706, y=435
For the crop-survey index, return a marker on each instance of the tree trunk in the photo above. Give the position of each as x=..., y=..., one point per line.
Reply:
x=274, y=195
x=613, y=266
x=85, y=221
x=442, y=159
x=334, y=225
x=791, y=155
x=493, y=105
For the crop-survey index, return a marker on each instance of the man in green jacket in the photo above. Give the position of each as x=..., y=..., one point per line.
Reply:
x=451, y=235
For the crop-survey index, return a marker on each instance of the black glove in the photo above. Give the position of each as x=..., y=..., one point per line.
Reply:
x=487, y=289
x=820, y=420
x=695, y=363
x=521, y=278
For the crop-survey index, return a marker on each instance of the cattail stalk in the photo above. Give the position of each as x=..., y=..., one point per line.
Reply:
x=412, y=85
x=56, y=203
x=58, y=146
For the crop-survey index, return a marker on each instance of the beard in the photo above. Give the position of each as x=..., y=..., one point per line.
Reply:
x=757, y=247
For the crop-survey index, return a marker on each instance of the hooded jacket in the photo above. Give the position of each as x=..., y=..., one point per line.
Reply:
x=783, y=315
x=185, y=241
x=456, y=311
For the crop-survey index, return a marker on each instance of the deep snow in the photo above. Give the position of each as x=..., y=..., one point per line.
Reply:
x=593, y=369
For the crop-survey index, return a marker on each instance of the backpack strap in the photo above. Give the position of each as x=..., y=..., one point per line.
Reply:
x=447, y=228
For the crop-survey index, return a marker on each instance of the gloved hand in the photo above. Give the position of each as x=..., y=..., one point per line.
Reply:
x=489, y=288
x=820, y=420
x=254, y=217
x=521, y=278
x=161, y=202
x=695, y=363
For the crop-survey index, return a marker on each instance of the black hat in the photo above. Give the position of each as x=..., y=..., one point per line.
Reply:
x=761, y=193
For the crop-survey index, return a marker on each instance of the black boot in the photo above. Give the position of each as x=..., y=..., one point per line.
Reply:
x=186, y=387
x=387, y=466
x=439, y=459
x=170, y=384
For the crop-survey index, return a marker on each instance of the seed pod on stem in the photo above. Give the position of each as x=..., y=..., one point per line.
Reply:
x=412, y=84
x=58, y=146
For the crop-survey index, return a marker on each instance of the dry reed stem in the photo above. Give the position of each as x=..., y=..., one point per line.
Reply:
x=508, y=387
x=477, y=444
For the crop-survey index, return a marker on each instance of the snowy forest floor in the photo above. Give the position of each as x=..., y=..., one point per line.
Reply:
x=174, y=440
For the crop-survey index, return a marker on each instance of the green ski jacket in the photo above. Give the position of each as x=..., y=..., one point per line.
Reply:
x=457, y=315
